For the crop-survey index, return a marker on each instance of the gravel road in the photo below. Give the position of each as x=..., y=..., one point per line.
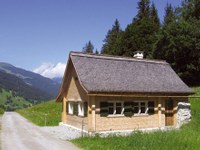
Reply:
x=20, y=134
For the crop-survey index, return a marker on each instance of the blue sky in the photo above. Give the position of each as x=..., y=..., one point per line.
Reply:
x=38, y=34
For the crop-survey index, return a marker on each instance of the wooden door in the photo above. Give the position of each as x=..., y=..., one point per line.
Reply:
x=169, y=113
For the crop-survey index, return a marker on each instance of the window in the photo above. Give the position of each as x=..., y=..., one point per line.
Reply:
x=118, y=108
x=140, y=108
x=115, y=108
x=150, y=107
x=70, y=108
x=128, y=108
x=110, y=108
x=77, y=108
x=75, y=112
x=80, y=109
x=103, y=109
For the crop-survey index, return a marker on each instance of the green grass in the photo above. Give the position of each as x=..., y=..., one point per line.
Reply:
x=186, y=138
x=37, y=114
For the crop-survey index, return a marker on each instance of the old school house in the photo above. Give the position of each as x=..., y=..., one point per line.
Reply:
x=107, y=93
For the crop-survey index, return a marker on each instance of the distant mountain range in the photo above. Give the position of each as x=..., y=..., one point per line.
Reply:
x=58, y=80
x=27, y=84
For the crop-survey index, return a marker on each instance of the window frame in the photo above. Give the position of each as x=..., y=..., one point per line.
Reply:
x=81, y=109
x=70, y=107
x=115, y=107
x=139, y=106
x=143, y=104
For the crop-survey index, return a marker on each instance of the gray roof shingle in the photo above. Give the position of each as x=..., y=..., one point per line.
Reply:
x=99, y=73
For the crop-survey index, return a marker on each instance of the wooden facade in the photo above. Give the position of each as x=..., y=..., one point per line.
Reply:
x=83, y=109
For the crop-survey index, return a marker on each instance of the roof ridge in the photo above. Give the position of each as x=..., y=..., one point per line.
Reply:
x=110, y=57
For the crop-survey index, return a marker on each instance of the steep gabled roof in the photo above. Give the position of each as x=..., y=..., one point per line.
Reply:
x=109, y=74
x=99, y=73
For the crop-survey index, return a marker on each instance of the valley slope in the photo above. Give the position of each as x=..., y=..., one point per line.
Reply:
x=30, y=86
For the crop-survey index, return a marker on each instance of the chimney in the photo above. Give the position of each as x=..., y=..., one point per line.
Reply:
x=138, y=54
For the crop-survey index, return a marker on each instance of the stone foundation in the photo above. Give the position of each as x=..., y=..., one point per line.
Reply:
x=183, y=113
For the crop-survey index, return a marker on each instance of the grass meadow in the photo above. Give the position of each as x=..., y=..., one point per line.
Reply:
x=45, y=114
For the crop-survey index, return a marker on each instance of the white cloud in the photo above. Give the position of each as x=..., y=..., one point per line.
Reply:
x=50, y=70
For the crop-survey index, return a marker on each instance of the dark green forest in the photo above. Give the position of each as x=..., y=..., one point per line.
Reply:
x=176, y=39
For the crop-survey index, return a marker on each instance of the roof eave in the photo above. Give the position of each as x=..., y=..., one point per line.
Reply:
x=140, y=94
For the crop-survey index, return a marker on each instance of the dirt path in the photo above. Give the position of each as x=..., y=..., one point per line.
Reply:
x=19, y=134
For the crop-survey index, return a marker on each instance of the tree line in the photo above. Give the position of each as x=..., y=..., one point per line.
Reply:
x=176, y=39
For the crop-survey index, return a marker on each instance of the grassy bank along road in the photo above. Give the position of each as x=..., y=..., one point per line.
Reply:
x=20, y=134
x=45, y=114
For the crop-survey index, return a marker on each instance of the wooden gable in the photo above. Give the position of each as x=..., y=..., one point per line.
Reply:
x=71, y=87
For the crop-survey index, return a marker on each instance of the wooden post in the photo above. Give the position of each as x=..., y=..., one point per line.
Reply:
x=92, y=114
x=159, y=113
x=175, y=109
x=45, y=119
x=64, y=113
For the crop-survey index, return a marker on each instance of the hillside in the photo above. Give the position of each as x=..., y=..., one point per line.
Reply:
x=27, y=84
x=10, y=101
x=49, y=111
x=58, y=79
x=20, y=88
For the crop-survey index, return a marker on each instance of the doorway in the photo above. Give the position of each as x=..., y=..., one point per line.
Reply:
x=169, y=113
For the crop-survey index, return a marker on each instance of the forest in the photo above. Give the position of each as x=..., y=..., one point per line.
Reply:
x=176, y=39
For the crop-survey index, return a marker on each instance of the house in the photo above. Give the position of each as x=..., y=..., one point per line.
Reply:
x=106, y=93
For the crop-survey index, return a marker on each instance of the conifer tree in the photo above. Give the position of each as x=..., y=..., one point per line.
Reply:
x=143, y=9
x=179, y=43
x=170, y=15
x=112, y=41
x=141, y=34
x=154, y=15
x=190, y=9
x=88, y=48
x=96, y=52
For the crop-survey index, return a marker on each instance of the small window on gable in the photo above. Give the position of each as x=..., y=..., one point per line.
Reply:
x=70, y=108
x=75, y=112
x=80, y=109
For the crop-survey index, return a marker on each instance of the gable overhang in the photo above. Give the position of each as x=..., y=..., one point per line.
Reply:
x=64, y=85
x=61, y=91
